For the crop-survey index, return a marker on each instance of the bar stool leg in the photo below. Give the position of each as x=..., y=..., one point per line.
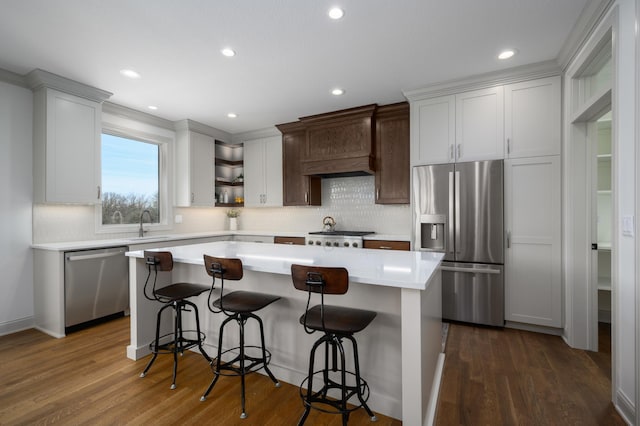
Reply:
x=264, y=352
x=202, y=351
x=241, y=320
x=357, y=368
x=216, y=373
x=177, y=342
x=156, y=343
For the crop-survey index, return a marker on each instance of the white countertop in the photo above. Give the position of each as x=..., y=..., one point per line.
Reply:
x=132, y=241
x=403, y=269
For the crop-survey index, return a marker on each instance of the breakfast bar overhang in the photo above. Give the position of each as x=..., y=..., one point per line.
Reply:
x=400, y=352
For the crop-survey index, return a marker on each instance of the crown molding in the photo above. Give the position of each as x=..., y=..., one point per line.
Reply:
x=133, y=114
x=38, y=78
x=198, y=127
x=588, y=20
x=13, y=78
x=256, y=134
x=482, y=81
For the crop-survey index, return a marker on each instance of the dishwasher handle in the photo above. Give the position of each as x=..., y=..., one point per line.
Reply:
x=71, y=257
x=470, y=270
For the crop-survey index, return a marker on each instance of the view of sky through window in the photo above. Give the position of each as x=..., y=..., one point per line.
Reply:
x=130, y=180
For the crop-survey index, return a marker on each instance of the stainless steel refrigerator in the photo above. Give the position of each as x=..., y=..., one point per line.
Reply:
x=458, y=210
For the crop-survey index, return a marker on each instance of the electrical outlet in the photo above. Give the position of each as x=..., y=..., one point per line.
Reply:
x=178, y=218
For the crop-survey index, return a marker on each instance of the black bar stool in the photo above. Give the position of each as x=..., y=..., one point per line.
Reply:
x=336, y=323
x=173, y=296
x=238, y=306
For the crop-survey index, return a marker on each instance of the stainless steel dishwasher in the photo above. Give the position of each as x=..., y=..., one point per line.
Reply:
x=96, y=284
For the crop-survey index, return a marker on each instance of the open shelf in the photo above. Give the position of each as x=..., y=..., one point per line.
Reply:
x=229, y=166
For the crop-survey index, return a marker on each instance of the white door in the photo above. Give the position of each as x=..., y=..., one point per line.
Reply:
x=533, y=292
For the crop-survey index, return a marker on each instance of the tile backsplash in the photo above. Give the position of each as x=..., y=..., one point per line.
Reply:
x=350, y=201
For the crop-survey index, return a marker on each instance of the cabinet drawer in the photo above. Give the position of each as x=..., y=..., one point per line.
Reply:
x=289, y=240
x=387, y=245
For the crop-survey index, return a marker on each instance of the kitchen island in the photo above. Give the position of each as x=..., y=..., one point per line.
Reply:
x=400, y=352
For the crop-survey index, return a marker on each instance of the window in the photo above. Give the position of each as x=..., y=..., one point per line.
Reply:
x=133, y=181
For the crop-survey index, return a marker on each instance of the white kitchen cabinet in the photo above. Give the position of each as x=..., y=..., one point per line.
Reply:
x=480, y=125
x=195, y=168
x=263, y=172
x=67, y=132
x=433, y=126
x=533, y=292
x=532, y=118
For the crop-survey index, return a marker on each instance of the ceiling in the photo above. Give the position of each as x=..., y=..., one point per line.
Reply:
x=289, y=53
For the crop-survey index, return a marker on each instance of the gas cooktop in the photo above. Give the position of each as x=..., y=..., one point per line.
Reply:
x=342, y=233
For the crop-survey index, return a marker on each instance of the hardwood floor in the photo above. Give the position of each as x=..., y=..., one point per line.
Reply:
x=491, y=377
x=512, y=377
x=86, y=378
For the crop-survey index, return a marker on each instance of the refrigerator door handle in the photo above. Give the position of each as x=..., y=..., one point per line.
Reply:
x=469, y=270
x=457, y=211
x=449, y=239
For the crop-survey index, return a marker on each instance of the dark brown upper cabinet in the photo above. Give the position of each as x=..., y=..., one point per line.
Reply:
x=340, y=143
x=392, y=160
x=298, y=189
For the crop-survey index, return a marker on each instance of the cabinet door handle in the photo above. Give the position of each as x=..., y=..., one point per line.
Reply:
x=193, y=197
x=385, y=248
x=451, y=152
x=458, y=153
x=99, y=191
x=306, y=198
x=508, y=239
x=377, y=193
x=508, y=145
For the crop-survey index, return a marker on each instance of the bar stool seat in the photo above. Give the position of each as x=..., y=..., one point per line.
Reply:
x=173, y=296
x=337, y=319
x=238, y=306
x=337, y=323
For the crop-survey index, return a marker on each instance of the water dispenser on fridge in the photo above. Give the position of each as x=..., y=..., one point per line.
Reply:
x=432, y=232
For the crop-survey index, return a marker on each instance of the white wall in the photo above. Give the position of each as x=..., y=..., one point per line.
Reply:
x=16, y=197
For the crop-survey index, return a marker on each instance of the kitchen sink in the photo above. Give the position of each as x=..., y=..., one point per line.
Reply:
x=150, y=237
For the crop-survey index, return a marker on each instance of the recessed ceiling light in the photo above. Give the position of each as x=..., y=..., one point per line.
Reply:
x=337, y=92
x=506, y=54
x=153, y=107
x=130, y=73
x=336, y=13
x=232, y=115
x=227, y=51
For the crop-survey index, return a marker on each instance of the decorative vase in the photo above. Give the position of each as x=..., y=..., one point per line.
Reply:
x=233, y=224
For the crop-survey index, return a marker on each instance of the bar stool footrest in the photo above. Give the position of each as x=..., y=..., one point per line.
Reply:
x=321, y=401
x=172, y=346
x=252, y=363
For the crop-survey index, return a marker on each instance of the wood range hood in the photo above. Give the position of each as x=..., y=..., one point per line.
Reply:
x=340, y=143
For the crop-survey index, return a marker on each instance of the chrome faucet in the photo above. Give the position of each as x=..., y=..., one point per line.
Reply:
x=141, y=230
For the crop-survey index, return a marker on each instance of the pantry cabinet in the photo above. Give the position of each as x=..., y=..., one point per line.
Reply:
x=194, y=177
x=533, y=292
x=392, y=154
x=532, y=118
x=67, y=131
x=263, y=172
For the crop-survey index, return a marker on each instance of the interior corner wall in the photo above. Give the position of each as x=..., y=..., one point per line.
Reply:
x=16, y=199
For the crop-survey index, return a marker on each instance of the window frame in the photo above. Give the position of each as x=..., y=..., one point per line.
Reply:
x=164, y=172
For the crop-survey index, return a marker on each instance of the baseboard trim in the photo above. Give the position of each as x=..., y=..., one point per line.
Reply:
x=625, y=407
x=14, y=326
x=435, y=391
x=535, y=328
